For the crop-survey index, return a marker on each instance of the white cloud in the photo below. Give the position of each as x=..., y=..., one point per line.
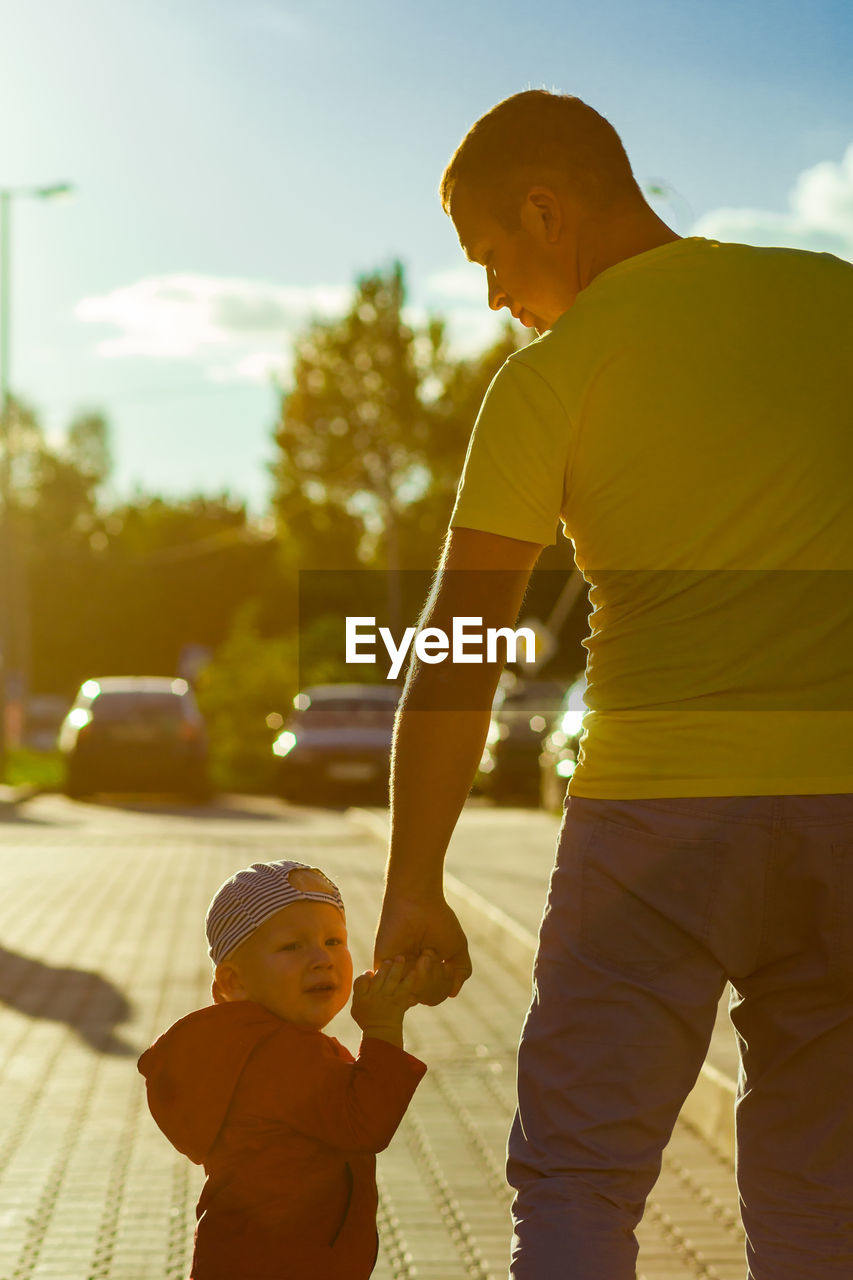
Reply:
x=237, y=329
x=820, y=215
x=470, y=330
x=243, y=330
x=466, y=282
x=259, y=366
x=459, y=295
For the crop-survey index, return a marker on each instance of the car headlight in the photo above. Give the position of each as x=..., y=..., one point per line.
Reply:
x=572, y=722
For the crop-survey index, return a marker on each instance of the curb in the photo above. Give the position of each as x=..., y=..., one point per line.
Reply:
x=709, y=1108
x=10, y=796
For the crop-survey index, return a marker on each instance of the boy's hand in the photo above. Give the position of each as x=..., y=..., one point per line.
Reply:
x=380, y=998
x=431, y=979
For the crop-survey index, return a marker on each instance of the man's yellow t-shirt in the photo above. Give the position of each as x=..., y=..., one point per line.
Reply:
x=690, y=421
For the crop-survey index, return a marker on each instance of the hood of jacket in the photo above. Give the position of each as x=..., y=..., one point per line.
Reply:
x=192, y=1070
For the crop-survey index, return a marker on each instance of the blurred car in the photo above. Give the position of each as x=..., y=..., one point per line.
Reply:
x=561, y=746
x=135, y=733
x=337, y=743
x=521, y=716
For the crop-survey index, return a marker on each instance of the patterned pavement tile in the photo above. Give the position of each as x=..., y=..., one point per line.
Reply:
x=103, y=947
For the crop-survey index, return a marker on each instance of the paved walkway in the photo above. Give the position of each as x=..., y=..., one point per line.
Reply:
x=103, y=948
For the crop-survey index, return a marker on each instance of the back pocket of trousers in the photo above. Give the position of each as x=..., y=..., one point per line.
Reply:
x=647, y=899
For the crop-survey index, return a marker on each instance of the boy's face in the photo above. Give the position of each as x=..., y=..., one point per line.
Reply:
x=296, y=964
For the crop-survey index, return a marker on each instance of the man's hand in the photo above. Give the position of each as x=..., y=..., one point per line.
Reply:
x=414, y=926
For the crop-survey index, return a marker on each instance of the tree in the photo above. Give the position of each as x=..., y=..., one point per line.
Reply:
x=245, y=694
x=373, y=434
x=371, y=440
x=53, y=500
x=354, y=433
x=124, y=590
x=88, y=447
x=458, y=387
x=94, y=589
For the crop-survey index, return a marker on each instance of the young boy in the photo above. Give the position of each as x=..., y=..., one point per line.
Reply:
x=285, y=1121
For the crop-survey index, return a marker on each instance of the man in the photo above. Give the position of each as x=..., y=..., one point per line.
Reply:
x=686, y=413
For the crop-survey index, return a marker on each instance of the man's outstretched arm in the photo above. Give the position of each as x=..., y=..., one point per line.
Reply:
x=438, y=741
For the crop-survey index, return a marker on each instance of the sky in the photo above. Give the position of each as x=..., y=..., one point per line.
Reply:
x=238, y=163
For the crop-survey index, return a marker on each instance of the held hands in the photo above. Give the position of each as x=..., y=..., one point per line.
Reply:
x=428, y=932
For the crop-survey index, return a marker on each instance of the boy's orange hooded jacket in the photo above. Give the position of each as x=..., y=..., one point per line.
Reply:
x=286, y=1124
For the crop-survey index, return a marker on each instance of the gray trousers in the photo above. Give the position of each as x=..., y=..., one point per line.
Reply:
x=653, y=905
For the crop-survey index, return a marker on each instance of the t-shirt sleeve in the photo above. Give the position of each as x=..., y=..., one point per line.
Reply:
x=514, y=474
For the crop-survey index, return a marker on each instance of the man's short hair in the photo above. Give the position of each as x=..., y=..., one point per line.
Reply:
x=534, y=137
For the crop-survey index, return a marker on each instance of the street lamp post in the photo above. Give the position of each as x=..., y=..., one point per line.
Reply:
x=7, y=541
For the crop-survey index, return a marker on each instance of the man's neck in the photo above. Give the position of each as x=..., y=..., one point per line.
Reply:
x=601, y=244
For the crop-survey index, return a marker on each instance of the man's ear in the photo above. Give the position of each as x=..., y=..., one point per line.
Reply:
x=542, y=213
x=227, y=984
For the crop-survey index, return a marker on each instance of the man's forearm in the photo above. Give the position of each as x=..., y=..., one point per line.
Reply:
x=435, y=758
x=445, y=710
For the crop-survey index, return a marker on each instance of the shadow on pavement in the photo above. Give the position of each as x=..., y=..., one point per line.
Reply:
x=89, y=1004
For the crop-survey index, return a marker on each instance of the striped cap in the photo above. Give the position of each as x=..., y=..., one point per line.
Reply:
x=251, y=896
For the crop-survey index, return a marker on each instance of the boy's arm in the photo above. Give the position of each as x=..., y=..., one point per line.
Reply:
x=305, y=1082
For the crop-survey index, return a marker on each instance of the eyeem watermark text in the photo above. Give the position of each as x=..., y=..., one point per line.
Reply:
x=467, y=642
